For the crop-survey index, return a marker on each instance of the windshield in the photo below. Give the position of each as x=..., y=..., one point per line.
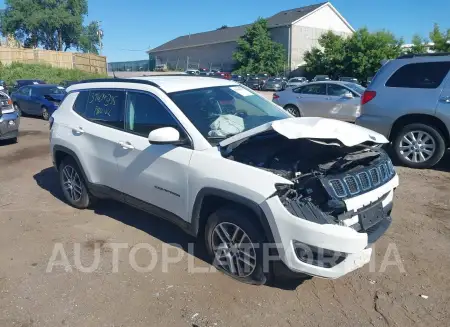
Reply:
x=355, y=87
x=221, y=112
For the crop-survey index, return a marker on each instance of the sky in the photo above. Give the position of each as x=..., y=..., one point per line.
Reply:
x=132, y=27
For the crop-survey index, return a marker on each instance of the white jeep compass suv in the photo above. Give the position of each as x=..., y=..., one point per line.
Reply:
x=222, y=162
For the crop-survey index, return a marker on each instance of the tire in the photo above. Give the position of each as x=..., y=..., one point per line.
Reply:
x=428, y=138
x=229, y=218
x=18, y=110
x=293, y=110
x=79, y=197
x=45, y=113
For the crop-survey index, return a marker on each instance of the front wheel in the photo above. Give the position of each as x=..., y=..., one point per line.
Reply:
x=293, y=110
x=235, y=245
x=419, y=146
x=45, y=113
x=17, y=109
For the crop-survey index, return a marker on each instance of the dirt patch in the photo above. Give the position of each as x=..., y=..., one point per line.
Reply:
x=32, y=133
x=32, y=152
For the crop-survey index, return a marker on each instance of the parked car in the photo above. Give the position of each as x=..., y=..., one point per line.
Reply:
x=238, y=78
x=274, y=84
x=3, y=87
x=254, y=82
x=193, y=72
x=296, y=81
x=161, y=68
x=243, y=177
x=38, y=99
x=22, y=82
x=349, y=79
x=224, y=75
x=408, y=101
x=319, y=78
x=331, y=99
x=9, y=119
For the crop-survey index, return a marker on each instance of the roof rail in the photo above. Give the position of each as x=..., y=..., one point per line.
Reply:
x=413, y=55
x=119, y=80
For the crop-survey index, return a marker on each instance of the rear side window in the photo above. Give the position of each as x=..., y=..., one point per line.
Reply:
x=103, y=107
x=428, y=75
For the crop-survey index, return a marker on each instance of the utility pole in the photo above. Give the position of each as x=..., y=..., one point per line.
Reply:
x=100, y=36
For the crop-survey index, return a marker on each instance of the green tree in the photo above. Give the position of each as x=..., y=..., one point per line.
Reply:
x=440, y=39
x=358, y=55
x=51, y=24
x=256, y=52
x=89, y=39
x=418, y=44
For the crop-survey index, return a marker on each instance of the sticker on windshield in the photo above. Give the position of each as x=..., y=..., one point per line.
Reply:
x=60, y=87
x=35, y=83
x=241, y=91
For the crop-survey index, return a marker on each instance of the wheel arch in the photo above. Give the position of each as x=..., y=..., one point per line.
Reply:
x=421, y=119
x=60, y=152
x=210, y=199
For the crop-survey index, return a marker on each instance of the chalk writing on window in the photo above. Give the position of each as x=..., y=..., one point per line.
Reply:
x=102, y=111
x=103, y=99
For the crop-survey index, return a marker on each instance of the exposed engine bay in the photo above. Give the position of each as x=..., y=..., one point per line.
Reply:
x=324, y=172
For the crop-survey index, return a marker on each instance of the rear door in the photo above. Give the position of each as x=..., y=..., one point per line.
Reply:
x=339, y=106
x=97, y=131
x=312, y=100
x=24, y=99
x=443, y=105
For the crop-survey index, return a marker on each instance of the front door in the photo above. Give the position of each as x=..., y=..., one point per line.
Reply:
x=443, y=103
x=152, y=175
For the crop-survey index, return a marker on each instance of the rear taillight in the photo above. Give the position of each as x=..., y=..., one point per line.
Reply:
x=368, y=96
x=275, y=96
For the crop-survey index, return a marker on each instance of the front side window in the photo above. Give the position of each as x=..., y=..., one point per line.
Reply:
x=106, y=107
x=220, y=112
x=25, y=90
x=315, y=89
x=144, y=113
x=428, y=75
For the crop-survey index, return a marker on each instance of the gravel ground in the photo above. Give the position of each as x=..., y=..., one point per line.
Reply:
x=34, y=218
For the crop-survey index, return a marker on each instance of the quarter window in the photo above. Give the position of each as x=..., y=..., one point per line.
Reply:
x=145, y=113
x=428, y=75
x=80, y=103
x=106, y=108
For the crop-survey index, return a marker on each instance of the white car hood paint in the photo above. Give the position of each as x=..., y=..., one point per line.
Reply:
x=313, y=128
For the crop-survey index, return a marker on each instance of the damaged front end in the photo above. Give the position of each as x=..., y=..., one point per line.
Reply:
x=324, y=174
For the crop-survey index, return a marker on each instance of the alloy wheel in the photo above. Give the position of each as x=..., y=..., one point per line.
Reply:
x=417, y=146
x=234, y=250
x=45, y=114
x=293, y=111
x=17, y=109
x=72, y=183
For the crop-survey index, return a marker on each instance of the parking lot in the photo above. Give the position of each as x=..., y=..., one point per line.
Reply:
x=34, y=218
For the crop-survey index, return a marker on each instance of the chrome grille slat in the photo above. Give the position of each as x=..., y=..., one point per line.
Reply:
x=338, y=188
x=375, y=176
x=352, y=184
x=364, y=180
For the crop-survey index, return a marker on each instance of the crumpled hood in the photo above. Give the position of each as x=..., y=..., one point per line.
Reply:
x=313, y=128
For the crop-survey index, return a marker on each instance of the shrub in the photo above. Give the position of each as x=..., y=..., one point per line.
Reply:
x=51, y=75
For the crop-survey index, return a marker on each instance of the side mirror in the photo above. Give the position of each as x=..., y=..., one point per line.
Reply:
x=348, y=95
x=164, y=135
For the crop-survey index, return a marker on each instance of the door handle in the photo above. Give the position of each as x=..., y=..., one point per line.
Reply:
x=78, y=130
x=126, y=145
x=445, y=99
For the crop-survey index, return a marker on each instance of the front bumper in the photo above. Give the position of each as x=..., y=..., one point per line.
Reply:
x=9, y=126
x=288, y=229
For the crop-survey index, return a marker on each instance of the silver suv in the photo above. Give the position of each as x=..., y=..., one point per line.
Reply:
x=408, y=101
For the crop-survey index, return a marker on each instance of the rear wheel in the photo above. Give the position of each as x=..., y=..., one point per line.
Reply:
x=73, y=185
x=235, y=245
x=293, y=110
x=419, y=146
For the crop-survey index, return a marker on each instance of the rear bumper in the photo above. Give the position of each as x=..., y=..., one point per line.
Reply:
x=380, y=124
x=9, y=126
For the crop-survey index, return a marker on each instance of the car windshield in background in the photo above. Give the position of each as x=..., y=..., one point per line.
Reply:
x=355, y=87
x=221, y=112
